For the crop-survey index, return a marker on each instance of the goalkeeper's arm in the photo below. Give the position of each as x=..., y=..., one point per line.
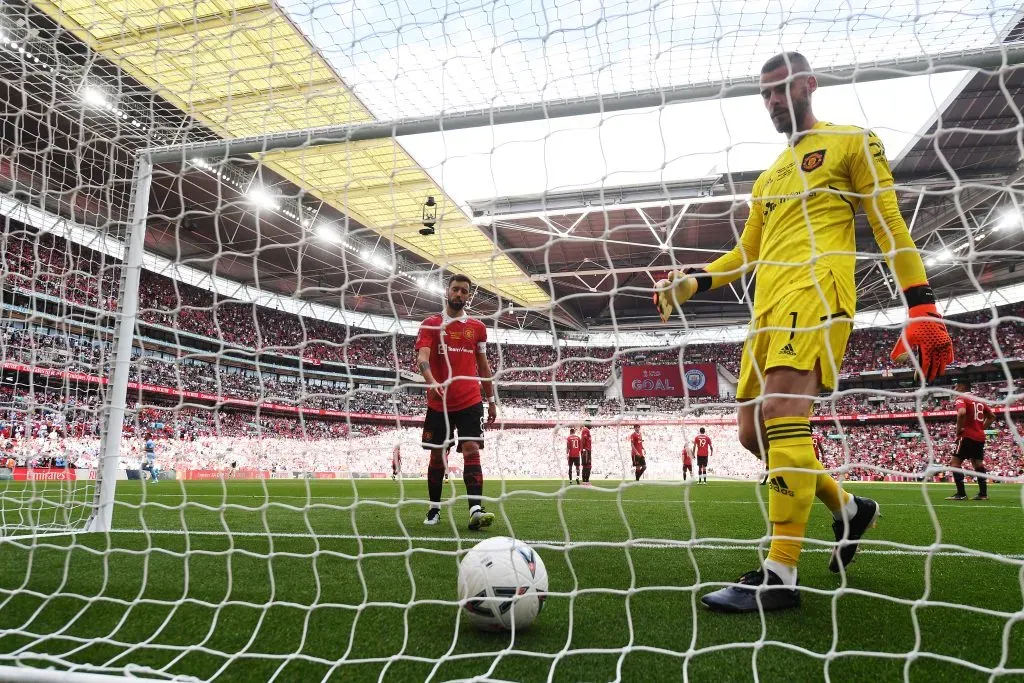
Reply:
x=925, y=335
x=681, y=286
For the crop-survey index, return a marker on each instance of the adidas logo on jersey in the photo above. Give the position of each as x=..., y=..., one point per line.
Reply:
x=779, y=484
x=787, y=350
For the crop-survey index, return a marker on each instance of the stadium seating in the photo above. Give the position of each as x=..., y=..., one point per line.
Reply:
x=53, y=266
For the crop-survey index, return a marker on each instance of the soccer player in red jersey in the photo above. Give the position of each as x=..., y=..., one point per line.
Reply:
x=973, y=417
x=687, y=462
x=636, y=450
x=573, y=447
x=703, y=448
x=818, y=441
x=451, y=354
x=585, y=445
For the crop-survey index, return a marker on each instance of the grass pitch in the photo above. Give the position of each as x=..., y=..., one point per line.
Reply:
x=339, y=580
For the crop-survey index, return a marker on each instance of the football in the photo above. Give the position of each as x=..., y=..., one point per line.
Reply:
x=502, y=584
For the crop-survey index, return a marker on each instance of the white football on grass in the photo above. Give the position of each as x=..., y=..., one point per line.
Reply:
x=502, y=584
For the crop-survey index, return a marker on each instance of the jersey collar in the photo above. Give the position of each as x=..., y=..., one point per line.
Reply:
x=445, y=318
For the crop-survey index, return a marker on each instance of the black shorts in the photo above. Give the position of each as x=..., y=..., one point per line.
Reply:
x=574, y=461
x=969, y=449
x=639, y=461
x=688, y=465
x=586, y=458
x=702, y=461
x=439, y=427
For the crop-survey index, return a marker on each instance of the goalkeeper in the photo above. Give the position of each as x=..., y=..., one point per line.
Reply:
x=800, y=236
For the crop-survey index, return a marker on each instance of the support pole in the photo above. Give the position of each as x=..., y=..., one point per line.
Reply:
x=124, y=333
x=989, y=59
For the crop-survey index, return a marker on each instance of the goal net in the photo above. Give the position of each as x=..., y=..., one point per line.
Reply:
x=228, y=224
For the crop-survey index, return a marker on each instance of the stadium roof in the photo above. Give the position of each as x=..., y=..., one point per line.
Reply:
x=241, y=67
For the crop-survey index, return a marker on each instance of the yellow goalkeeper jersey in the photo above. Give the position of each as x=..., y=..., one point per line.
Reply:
x=801, y=225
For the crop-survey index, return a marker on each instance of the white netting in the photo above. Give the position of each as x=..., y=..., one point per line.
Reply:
x=269, y=360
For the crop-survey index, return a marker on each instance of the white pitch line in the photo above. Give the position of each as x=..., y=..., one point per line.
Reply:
x=514, y=499
x=647, y=543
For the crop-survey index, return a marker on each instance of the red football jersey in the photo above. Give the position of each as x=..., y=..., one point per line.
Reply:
x=686, y=457
x=974, y=420
x=636, y=443
x=702, y=445
x=819, y=446
x=453, y=344
x=573, y=446
x=585, y=438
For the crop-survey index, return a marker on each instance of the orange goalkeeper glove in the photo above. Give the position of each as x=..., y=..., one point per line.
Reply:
x=925, y=335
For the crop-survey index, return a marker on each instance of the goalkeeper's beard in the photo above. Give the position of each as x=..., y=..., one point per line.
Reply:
x=456, y=305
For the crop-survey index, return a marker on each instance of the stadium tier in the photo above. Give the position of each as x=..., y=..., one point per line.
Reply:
x=713, y=309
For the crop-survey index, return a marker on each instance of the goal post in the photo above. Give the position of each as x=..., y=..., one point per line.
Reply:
x=123, y=343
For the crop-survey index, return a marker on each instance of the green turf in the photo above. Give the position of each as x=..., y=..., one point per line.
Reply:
x=307, y=581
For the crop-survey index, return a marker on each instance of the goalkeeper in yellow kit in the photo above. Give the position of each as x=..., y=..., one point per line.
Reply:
x=800, y=238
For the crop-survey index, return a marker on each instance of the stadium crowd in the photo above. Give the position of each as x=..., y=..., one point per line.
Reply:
x=73, y=273
x=41, y=426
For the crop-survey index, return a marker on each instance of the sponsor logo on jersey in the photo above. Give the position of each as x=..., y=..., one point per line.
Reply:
x=813, y=160
x=695, y=379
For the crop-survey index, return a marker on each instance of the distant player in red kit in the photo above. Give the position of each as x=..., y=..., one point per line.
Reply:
x=687, y=462
x=973, y=417
x=636, y=451
x=573, y=447
x=396, y=461
x=585, y=445
x=703, y=448
x=818, y=441
x=451, y=354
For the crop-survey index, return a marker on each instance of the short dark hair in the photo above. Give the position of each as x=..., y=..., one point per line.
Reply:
x=459, y=277
x=572, y=430
x=797, y=63
x=701, y=430
x=964, y=381
x=636, y=426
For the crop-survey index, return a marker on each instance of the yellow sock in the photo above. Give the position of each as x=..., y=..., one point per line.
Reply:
x=790, y=491
x=828, y=491
x=787, y=550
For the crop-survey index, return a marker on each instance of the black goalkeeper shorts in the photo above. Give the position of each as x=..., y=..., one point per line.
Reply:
x=439, y=427
x=702, y=461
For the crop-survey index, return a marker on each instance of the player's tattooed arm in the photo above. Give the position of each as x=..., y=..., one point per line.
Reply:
x=423, y=364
